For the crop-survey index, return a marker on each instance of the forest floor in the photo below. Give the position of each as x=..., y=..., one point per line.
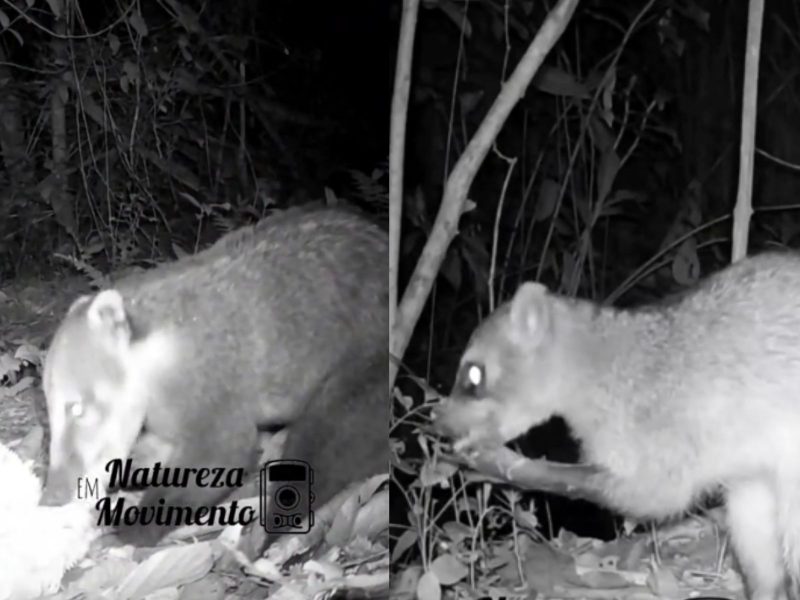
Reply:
x=30, y=311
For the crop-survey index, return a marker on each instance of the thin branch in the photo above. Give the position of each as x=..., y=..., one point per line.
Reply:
x=446, y=225
x=402, y=83
x=744, y=205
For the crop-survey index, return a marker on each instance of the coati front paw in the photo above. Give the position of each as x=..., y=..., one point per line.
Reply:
x=139, y=535
x=151, y=510
x=472, y=424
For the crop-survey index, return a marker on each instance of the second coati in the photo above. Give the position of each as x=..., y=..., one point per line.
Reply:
x=271, y=326
x=668, y=401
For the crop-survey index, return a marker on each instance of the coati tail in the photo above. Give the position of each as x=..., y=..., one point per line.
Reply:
x=96, y=380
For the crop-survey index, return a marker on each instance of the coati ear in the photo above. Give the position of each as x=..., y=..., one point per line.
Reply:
x=531, y=313
x=80, y=302
x=106, y=316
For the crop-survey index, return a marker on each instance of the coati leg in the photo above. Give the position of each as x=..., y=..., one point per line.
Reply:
x=325, y=437
x=245, y=452
x=328, y=444
x=753, y=523
x=789, y=522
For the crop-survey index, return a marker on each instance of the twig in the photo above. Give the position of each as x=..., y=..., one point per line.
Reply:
x=744, y=205
x=445, y=226
x=402, y=82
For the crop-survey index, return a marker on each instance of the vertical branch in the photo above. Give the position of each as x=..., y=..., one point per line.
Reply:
x=446, y=225
x=511, y=162
x=744, y=196
x=402, y=83
x=59, y=197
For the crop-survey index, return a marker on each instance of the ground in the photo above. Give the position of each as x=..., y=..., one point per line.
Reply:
x=30, y=310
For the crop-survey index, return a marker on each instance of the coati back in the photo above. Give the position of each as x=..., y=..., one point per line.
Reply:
x=263, y=329
x=669, y=401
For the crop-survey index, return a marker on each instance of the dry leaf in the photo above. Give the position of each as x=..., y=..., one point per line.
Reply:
x=170, y=567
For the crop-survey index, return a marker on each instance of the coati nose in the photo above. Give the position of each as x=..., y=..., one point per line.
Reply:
x=56, y=492
x=445, y=419
x=52, y=498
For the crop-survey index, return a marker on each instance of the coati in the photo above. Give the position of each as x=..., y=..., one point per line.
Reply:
x=271, y=326
x=339, y=459
x=668, y=401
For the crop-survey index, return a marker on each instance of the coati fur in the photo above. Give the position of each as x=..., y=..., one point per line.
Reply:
x=272, y=326
x=338, y=460
x=669, y=402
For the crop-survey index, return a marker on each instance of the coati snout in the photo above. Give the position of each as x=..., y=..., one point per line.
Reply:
x=97, y=382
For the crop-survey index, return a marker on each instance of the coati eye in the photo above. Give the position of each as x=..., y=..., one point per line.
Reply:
x=473, y=380
x=75, y=409
x=76, y=405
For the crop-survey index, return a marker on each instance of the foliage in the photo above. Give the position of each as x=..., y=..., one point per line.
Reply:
x=613, y=178
x=179, y=120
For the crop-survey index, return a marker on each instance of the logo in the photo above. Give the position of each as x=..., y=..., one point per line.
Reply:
x=286, y=496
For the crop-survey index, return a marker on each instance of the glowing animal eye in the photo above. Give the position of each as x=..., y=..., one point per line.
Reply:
x=474, y=375
x=473, y=380
x=75, y=409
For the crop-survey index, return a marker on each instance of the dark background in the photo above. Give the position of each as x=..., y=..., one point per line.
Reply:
x=131, y=137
